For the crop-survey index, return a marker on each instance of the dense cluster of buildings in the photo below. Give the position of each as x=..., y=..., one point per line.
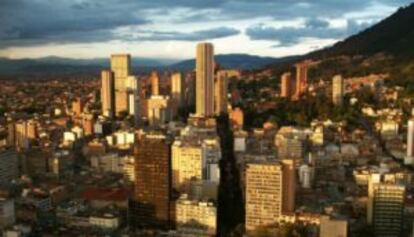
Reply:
x=120, y=157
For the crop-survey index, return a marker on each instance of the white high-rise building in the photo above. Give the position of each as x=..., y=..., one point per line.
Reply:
x=409, y=159
x=205, y=80
x=337, y=90
x=188, y=162
x=134, y=102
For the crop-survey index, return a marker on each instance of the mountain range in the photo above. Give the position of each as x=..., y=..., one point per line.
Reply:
x=394, y=35
x=68, y=65
x=384, y=48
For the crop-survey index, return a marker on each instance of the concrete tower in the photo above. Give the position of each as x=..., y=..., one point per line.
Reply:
x=337, y=90
x=155, y=83
x=205, y=79
x=409, y=159
x=121, y=67
x=220, y=92
x=108, y=93
x=177, y=88
x=286, y=85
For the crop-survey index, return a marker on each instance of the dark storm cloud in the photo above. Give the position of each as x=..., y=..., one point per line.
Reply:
x=313, y=28
x=25, y=22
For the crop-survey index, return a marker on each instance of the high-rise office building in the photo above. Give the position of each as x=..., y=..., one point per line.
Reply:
x=385, y=207
x=301, y=78
x=337, y=90
x=409, y=159
x=121, y=67
x=11, y=133
x=21, y=135
x=151, y=204
x=263, y=194
x=189, y=92
x=289, y=185
x=270, y=192
x=205, y=80
x=188, y=163
x=134, y=99
x=159, y=110
x=32, y=129
x=108, y=93
x=177, y=88
x=155, y=83
x=220, y=92
x=286, y=85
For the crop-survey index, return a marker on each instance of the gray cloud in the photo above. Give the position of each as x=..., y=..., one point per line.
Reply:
x=313, y=28
x=213, y=33
x=25, y=22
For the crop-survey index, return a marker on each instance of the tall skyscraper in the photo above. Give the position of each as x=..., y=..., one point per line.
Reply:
x=205, y=80
x=189, y=94
x=289, y=185
x=220, y=92
x=151, y=204
x=121, y=67
x=301, y=78
x=32, y=129
x=11, y=133
x=337, y=90
x=108, y=93
x=21, y=135
x=155, y=83
x=177, y=88
x=286, y=85
x=409, y=159
x=385, y=206
x=134, y=99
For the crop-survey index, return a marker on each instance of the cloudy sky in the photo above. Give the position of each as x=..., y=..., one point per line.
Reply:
x=171, y=28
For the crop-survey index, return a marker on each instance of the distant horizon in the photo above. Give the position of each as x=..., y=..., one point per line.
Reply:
x=139, y=57
x=170, y=29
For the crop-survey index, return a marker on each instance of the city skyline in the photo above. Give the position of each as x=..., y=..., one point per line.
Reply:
x=317, y=145
x=162, y=30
